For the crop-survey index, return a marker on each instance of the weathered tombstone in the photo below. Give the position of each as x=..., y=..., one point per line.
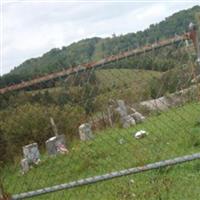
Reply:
x=24, y=165
x=127, y=120
x=31, y=153
x=85, y=132
x=56, y=144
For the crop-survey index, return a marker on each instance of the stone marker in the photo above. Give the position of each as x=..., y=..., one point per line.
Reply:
x=127, y=120
x=159, y=104
x=31, y=153
x=85, y=132
x=24, y=166
x=56, y=144
x=138, y=117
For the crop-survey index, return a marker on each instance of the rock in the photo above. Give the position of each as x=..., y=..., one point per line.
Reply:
x=56, y=144
x=31, y=153
x=140, y=134
x=138, y=117
x=128, y=121
x=85, y=132
x=160, y=104
x=24, y=166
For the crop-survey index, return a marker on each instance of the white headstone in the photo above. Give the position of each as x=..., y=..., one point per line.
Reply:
x=31, y=153
x=56, y=144
x=85, y=132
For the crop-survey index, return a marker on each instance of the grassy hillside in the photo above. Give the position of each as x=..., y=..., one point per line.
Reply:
x=95, y=48
x=128, y=84
x=24, y=118
x=124, y=77
x=109, y=79
x=171, y=134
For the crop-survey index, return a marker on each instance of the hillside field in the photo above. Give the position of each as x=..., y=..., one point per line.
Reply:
x=171, y=134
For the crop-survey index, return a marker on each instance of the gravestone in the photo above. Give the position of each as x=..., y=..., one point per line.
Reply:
x=85, y=132
x=56, y=144
x=126, y=119
x=31, y=153
x=24, y=165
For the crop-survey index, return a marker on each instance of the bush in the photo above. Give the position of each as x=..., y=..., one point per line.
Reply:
x=31, y=123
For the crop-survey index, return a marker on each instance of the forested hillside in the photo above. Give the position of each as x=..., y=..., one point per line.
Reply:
x=95, y=48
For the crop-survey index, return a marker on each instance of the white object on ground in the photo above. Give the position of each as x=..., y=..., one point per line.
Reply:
x=140, y=134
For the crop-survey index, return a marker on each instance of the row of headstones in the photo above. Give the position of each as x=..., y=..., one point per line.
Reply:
x=57, y=144
x=54, y=145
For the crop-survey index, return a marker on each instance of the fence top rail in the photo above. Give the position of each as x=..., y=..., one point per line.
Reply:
x=108, y=176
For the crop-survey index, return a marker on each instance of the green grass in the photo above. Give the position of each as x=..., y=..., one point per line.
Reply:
x=118, y=78
x=171, y=134
x=125, y=77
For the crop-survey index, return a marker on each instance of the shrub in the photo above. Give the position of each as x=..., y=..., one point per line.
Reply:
x=31, y=123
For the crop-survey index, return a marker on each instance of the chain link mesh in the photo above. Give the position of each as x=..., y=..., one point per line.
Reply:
x=102, y=120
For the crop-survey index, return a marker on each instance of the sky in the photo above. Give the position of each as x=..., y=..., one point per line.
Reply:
x=31, y=28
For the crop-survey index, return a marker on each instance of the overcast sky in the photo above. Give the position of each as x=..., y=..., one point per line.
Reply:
x=31, y=28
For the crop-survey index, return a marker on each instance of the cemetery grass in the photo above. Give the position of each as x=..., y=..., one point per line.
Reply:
x=171, y=134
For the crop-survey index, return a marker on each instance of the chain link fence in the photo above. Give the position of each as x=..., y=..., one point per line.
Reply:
x=88, y=132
